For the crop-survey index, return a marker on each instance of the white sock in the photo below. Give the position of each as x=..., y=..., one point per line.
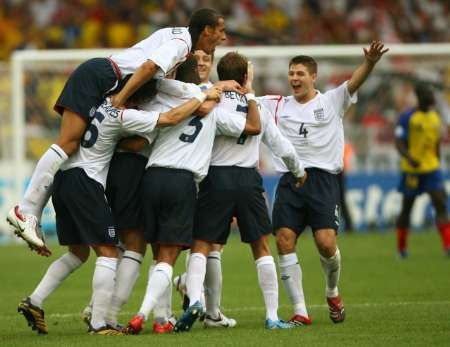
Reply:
x=291, y=275
x=55, y=275
x=267, y=277
x=37, y=192
x=213, y=283
x=127, y=274
x=163, y=308
x=332, y=268
x=103, y=288
x=158, y=281
x=195, y=277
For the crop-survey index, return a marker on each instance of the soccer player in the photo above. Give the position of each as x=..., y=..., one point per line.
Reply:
x=179, y=161
x=234, y=187
x=83, y=216
x=212, y=292
x=154, y=57
x=312, y=122
x=417, y=141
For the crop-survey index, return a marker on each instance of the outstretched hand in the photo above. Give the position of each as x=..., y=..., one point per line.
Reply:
x=375, y=51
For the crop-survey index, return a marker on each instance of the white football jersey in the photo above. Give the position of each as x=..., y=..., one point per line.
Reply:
x=107, y=127
x=244, y=151
x=314, y=128
x=188, y=145
x=166, y=47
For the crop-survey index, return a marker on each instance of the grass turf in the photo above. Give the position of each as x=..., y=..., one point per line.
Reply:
x=388, y=301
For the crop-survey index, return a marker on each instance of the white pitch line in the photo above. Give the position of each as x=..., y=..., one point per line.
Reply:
x=261, y=308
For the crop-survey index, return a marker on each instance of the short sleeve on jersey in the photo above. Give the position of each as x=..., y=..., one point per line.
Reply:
x=177, y=88
x=341, y=99
x=272, y=103
x=142, y=123
x=228, y=125
x=170, y=54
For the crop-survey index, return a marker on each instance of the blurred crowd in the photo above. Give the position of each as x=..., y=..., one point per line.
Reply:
x=26, y=24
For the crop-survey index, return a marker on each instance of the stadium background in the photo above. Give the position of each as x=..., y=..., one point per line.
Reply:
x=389, y=302
x=372, y=160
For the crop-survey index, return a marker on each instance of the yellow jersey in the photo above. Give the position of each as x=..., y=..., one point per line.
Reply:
x=421, y=132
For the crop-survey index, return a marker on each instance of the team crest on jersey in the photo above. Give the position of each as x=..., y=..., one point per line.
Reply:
x=111, y=232
x=319, y=114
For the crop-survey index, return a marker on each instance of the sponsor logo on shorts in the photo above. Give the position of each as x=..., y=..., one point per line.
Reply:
x=111, y=232
x=319, y=114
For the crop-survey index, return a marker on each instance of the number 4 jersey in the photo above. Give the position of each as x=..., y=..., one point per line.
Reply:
x=314, y=128
x=107, y=127
x=188, y=145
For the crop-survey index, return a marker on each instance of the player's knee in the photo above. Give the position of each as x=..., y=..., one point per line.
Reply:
x=69, y=146
x=106, y=251
x=285, y=242
x=134, y=241
x=81, y=252
x=260, y=248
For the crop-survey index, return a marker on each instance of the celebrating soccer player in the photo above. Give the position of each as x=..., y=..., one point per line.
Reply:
x=312, y=122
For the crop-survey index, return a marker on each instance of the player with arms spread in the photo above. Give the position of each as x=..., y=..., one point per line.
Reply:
x=85, y=90
x=417, y=141
x=312, y=122
x=83, y=216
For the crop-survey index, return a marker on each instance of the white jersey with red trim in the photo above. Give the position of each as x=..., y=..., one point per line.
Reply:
x=166, y=47
x=188, y=145
x=244, y=151
x=314, y=128
x=107, y=127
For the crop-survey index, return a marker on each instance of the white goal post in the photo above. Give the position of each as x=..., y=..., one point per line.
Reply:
x=22, y=59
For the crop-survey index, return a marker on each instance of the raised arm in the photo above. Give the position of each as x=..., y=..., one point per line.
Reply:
x=143, y=74
x=253, y=124
x=180, y=113
x=371, y=57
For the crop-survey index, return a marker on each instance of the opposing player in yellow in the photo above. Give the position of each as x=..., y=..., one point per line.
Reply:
x=417, y=140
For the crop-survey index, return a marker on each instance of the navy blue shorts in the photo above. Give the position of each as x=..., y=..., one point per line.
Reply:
x=316, y=204
x=83, y=216
x=123, y=189
x=168, y=205
x=416, y=184
x=87, y=87
x=227, y=192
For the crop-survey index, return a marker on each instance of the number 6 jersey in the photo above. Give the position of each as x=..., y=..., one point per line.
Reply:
x=314, y=128
x=99, y=142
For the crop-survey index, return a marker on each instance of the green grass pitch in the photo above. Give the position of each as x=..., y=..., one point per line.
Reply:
x=389, y=302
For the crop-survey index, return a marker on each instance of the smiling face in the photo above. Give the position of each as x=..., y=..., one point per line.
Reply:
x=204, y=65
x=211, y=37
x=301, y=81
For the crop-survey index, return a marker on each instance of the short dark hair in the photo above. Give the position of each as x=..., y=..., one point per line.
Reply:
x=232, y=66
x=308, y=61
x=425, y=96
x=144, y=93
x=188, y=71
x=199, y=20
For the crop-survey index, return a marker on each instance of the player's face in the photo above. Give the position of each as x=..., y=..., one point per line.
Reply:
x=204, y=62
x=212, y=37
x=301, y=81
